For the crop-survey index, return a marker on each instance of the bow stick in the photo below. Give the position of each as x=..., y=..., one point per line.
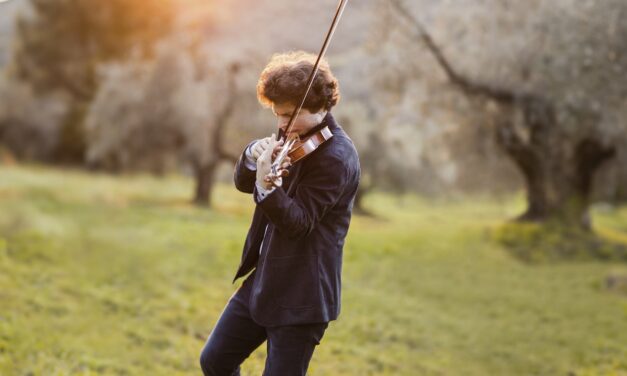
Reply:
x=275, y=169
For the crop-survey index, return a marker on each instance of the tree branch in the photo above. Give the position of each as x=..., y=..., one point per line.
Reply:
x=469, y=87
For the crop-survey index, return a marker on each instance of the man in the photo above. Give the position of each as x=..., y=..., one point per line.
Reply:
x=296, y=238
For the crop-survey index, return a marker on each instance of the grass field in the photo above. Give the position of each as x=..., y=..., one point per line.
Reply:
x=122, y=276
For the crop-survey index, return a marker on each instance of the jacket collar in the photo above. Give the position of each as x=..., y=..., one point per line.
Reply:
x=328, y=120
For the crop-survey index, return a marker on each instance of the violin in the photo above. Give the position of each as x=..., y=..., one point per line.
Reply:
x=303, y=148
x=296, y=149
x=292, y=145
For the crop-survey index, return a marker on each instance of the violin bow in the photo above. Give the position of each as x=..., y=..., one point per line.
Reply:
x=275, y=175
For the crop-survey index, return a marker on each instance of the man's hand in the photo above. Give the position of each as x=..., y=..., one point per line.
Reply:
x=260, y=146
x=264, y=162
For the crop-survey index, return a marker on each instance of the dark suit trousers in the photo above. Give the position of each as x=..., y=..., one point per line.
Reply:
x=236, y=336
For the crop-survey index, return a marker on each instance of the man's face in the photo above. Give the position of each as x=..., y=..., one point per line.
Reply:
x=304, y=121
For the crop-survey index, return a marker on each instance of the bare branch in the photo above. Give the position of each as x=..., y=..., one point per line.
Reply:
x=465, y=84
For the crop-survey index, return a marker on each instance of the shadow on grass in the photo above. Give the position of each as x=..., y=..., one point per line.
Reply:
x=549, y=242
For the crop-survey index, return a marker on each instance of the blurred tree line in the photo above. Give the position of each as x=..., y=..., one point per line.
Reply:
x=439, y=97
x=60, y=44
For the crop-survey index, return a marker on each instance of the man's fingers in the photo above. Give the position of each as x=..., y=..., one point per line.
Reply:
x=271, y=145
x=265, y=154
x=259, y=149
x=263, y=148
x=276, y=147
x=277, y=144
x=263, y=144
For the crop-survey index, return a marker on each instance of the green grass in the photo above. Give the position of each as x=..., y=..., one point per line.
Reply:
x=122, y=276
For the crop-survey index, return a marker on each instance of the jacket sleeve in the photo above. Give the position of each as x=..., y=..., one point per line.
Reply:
x=317, y=192
x=243, y=177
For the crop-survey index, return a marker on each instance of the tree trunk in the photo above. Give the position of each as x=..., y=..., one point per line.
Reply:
x=205, y=171
x=551, y=197
x=358, y=204
x=205, y=176
x=558, y=175
x=71, y=145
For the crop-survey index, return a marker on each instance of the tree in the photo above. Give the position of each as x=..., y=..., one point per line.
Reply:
x=560, y=110
x=61, y=43
x=205, y=170
x=164, y=114
x=28, y=121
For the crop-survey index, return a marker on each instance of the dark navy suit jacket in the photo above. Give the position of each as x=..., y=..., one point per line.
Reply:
x=298, y=274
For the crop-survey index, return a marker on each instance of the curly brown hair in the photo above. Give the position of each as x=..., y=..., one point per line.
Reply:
x=284, y=80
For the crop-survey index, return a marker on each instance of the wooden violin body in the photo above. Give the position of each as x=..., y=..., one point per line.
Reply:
x=301, y=149
x=296, y=149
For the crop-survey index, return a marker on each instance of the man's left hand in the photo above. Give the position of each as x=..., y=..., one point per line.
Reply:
x=264, y=162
